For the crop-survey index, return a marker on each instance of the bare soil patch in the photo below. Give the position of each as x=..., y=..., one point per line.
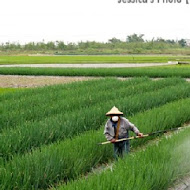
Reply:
x=17, y=81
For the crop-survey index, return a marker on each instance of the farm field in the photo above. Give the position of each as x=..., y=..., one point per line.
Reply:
x=52, y=133
x=161, y=71
x=95, y=95
x=90, y=59
x=49, y=135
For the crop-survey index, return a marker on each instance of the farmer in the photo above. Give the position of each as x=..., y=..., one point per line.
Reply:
x=118, y=127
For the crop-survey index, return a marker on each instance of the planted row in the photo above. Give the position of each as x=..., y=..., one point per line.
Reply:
x=163, y=71
x=59, y=127
x=36, y=112
x=71, y=158
x=155, y=168
x=89, y=59
x=46, y=90
x=66, y=88
x=34, y=108
x=54, y=92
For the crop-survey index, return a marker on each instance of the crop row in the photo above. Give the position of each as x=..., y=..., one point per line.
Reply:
x=87, y=59
x=155, y=168
x=33, y=134
x=70, y=158
x=18, y=112
x=163, y=71
x=56, y=92
x=50, y=91
x=36, y=107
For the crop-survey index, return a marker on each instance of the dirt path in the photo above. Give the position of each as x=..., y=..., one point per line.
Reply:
x=17, y=81
x=100, y=65
x=181, y=184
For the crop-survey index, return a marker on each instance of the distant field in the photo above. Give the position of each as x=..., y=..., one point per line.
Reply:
x=162, y=71
x=89, y=59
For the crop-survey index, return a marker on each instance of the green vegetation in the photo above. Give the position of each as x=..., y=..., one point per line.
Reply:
x=89, y=59
x=155, y=168
x=165, y=71
x=50, y=135
x=68, y=159
x=61, y=99
x=134, y=44
x=6, y=90
x=92, y=115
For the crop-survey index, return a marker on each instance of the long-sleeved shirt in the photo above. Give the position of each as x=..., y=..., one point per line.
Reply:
x=124, y=128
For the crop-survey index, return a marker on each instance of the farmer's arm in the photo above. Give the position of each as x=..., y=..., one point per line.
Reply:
x=133, y=128
x=107, y=134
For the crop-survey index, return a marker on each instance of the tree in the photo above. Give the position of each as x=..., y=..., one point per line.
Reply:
x=50, y=45
x=170, y=41
x=182, y=42
x=114, y=40
x=160, y=40
x=60, y=45
x=135, y=38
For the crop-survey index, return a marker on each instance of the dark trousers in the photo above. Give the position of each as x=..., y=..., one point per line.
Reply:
x=121, y=148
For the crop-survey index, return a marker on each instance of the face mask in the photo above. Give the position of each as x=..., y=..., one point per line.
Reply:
x=115, y=118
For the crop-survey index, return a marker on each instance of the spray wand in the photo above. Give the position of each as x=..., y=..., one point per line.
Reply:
x=146, y=135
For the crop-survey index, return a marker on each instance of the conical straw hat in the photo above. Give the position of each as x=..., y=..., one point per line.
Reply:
x=114, y=111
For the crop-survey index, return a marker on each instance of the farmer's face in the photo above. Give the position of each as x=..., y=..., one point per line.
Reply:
x=114, y=118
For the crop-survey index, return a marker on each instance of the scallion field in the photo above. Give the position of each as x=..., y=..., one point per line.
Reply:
x=49, y=135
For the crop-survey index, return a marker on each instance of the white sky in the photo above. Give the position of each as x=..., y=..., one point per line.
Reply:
x=75, y=20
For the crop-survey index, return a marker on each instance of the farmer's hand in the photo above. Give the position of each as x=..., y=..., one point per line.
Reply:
x=113, y=141
x=140, y=135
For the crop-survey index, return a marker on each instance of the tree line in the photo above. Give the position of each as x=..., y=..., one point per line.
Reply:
x=133, y=44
